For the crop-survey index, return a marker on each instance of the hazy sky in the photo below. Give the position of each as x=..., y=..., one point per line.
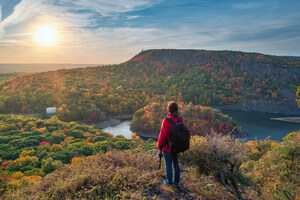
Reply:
x=112, y=31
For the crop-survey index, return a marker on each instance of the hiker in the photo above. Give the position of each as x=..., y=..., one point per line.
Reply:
x=170, y=156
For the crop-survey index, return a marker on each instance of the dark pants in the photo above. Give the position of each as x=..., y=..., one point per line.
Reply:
x=172, y=158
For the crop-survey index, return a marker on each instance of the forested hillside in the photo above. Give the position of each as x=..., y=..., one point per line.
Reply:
x=8, y=76
x=248, y=80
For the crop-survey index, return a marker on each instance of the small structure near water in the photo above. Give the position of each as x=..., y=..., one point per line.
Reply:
x=51, y=110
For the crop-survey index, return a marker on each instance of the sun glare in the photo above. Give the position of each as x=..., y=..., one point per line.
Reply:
x=46, y=35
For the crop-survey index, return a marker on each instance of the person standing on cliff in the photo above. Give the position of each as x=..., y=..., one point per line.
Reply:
x=170, y=156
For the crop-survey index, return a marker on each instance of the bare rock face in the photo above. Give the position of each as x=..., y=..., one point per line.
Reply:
x=285, y=74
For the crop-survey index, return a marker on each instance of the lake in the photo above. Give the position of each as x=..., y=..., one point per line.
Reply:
x=121, y=129
x=257, y=125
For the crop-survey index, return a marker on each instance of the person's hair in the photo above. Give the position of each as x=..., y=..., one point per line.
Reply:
x=173, y=109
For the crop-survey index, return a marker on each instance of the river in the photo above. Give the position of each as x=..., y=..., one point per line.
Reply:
x=255, y=124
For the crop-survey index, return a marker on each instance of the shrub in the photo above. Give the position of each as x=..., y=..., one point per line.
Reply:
x=49, y=165
x=220, y=156
x=275, y=174
x=56, y=147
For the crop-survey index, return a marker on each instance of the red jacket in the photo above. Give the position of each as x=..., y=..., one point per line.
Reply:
x=165, y=132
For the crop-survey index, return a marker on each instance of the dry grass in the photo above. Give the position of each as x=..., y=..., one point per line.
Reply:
x=204, y=186
x=120, y=175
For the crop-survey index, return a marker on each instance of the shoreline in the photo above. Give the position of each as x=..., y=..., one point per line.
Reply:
x=150, y=135
x=287, y=119
x=246, y=109
x=146, y=136
x=110, y=121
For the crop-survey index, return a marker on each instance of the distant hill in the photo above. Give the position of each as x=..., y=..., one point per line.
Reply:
x=8, y=76
x=250, y=81
x=193, y=56
x=38, y=67
x=295, y=57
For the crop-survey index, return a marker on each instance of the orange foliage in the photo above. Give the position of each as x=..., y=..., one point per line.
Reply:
x=69, y=138
x=251, y=145
x=75, y=160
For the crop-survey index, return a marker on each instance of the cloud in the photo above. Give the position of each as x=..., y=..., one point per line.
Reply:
x=268, y=33
x=0, y=13
x=248, y=5
x=79, y=21
x=108, y=8
x=133, y=17
x=88, y=13
x=1, y=29
x=129, y=39
x=24, y=11
x=73, y=14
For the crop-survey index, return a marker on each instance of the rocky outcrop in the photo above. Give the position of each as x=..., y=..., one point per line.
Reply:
x=284, y=73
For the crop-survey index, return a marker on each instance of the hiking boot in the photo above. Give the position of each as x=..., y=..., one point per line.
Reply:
x=176, y=184
x=166, y=182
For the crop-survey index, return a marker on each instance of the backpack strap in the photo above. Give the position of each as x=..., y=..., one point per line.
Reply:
x=170, y=120
x=179, y=120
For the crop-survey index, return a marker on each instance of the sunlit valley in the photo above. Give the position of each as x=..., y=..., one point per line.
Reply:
x=90, y=131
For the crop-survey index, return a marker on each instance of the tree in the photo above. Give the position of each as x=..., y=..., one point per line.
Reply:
x=49, y=165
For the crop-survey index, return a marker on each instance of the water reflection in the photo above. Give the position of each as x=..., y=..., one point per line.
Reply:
x=121, y=129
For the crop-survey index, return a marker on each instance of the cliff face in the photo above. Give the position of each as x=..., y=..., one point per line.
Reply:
x=285, y=74
x=284, y=77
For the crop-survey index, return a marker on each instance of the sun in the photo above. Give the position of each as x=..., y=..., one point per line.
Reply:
x=46, y=35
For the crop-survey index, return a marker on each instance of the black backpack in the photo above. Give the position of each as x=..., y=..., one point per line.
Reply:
x=179, y=140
